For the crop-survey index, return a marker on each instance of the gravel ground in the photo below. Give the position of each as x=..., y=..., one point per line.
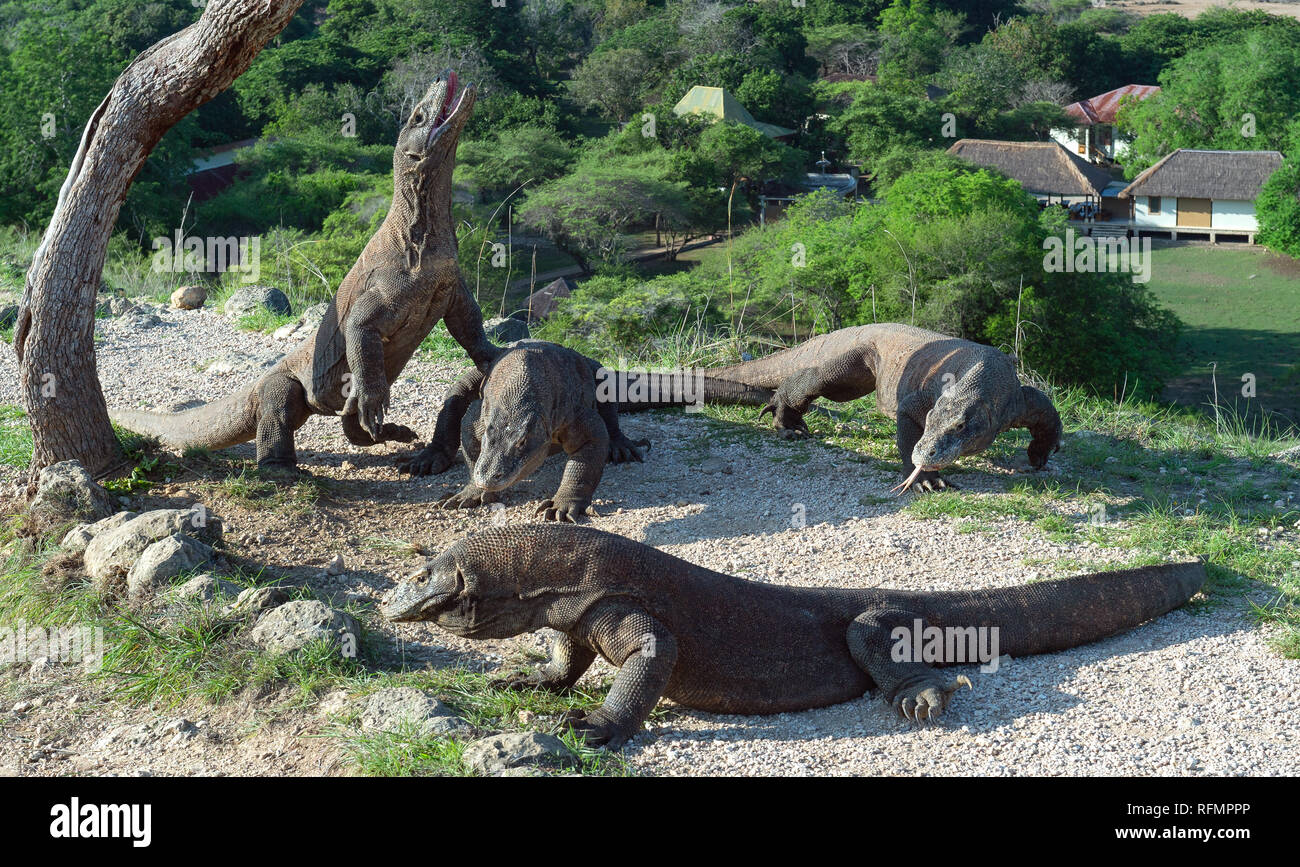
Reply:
x=1190, y=694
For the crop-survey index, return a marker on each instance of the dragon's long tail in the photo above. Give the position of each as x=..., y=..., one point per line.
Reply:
x=224, y=422
x=638, y=390
x=1048, y=616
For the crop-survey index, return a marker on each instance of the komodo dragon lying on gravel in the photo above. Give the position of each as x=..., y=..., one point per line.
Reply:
x=536, y=399
x=405, y=280
x=726, y=645
x=951, y=397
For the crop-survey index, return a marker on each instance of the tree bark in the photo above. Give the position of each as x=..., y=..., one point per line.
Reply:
x=54, y=332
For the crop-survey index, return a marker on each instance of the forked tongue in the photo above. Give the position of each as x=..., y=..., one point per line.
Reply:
x=907, y=483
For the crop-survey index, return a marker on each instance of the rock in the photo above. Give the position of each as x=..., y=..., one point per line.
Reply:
x=293, y=625
x=116, y=305
x=336, y=565
x=252, y=299
x=334, y=704
x=307, y=324
x=506, y=330
x=1292, y=454
x=112, y=522
x=255, y=600
x=64, y=492
x=76, y=539
x=205, y=588
x=714, y=465
x=163, y=561
x=141, y=320
x=8, y=316
x=111, y=554
x=502, y=752
x=244, y=363
x=189, y=297
x=389, y=709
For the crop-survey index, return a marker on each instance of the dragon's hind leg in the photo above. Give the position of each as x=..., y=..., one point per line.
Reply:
x=916, y=690
x=282, y=409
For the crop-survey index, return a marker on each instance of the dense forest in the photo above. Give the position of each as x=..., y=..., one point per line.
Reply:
x=573, y=151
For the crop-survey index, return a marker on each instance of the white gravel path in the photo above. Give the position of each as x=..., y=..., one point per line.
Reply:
x=1196, y=692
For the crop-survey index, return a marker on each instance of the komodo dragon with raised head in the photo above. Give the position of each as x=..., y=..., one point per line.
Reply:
x=536, y=399
x=723, y=644
x=950, y=397
x=405, y=280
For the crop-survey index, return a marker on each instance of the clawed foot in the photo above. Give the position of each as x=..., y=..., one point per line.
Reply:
x=624, y=451
x=396, y=433
x=369, y=403
x=468, y=497
x=927, y=703
x=594, y=728
x=425, y=462
x=788, y=420
x=566, y=511
x=921, y=481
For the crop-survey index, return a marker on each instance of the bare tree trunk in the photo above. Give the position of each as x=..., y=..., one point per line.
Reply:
x=54, y=333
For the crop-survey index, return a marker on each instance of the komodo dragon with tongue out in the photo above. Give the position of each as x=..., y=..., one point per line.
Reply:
x=536, y=399
x=405, y=280
x=951, y=397
x=722, y=644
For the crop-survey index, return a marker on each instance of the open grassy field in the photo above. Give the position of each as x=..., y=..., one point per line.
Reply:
x=1241, y=308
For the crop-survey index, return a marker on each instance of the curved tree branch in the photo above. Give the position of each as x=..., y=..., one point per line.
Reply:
x=54, y=332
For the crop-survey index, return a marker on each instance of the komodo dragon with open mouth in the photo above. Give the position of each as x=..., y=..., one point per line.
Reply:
x=536, y=399
x=723, y=644
x=950, y=397
x=405, y=280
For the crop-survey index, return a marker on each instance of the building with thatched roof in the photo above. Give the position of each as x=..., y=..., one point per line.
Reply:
x=1202, y=192
x=717, y=103
x=1095, y=136
x=1043, y=168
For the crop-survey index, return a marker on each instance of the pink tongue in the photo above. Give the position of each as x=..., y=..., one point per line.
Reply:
x=451, y=95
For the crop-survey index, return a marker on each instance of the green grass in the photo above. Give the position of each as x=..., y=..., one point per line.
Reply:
x=15, y=436
x=1241, y=308
x=250, y=488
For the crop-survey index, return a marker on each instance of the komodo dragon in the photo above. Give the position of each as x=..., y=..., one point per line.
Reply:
x=722, y=644
x=405, y=280
x=951, y=397
x=536, y=399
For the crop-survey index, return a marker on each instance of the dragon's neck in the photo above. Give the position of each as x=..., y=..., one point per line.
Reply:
x=420, y=214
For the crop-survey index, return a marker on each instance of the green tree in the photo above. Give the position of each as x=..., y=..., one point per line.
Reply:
x=513, y=156
x=611, y=82
x=588, y=212
x=1238, y=95
x=1278, y=205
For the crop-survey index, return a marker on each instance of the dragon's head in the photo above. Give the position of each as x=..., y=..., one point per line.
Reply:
x=961, y=422
x=428, y=138
x=514, y=438
x=505, y=581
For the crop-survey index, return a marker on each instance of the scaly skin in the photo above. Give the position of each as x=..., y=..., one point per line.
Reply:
x=950, y=397
x=536, y=399
x=722, y=644
x=404, y=282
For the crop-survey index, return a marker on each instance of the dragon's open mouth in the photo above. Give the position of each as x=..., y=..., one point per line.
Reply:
x=448, y=109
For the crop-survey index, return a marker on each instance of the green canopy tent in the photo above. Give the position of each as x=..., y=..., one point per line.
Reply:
x=716, y=102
